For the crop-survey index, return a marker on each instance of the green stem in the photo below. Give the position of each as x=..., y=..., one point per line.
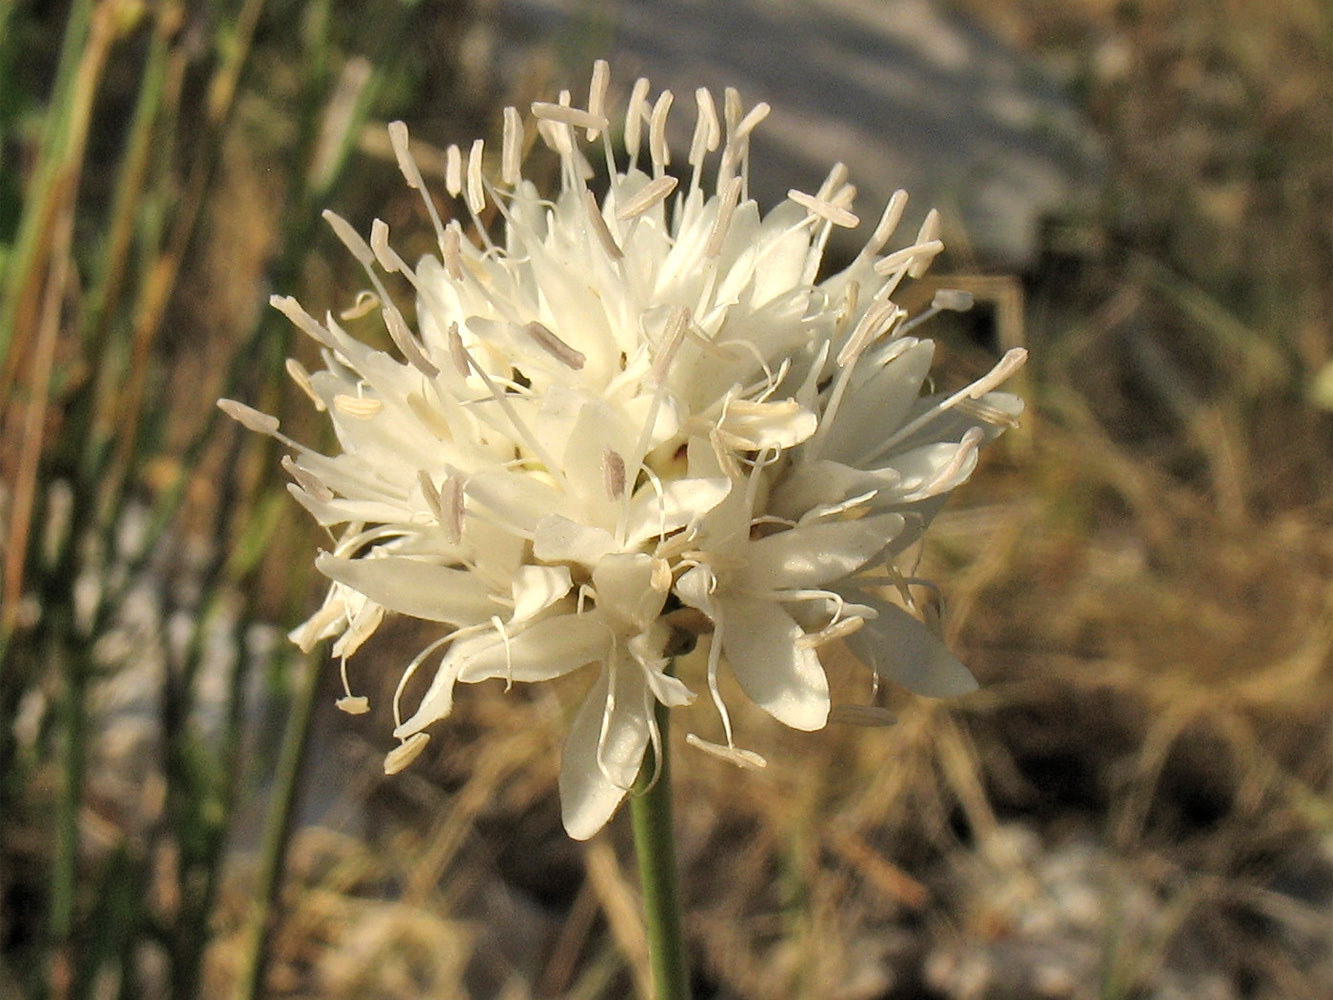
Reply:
x=655, y=849
x=278, y=826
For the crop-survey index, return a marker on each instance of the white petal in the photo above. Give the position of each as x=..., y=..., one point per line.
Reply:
x=412, y=587
x=558, y=539
x=695, y=587
x=545, y=649
x=625, y=588
x=934, y=468
x=681, y=502
x=588, y=797
x=902, y=649
x=815, y=554
x=820, y=483
x=769, y=425
x=759, y=640
x=536, y=588
x=878, y=405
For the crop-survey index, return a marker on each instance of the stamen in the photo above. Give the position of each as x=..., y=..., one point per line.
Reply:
x=672, y=337
x=353, y=704
x=873, y=322
x=726, y=208
x=360, y=407
x=457, y=352
x=833, y=183
x=601, y=77
x=476, y=191
x=613, y=474
x=365, y=303
x=836, y=630
x=302, y=320
x=407, y=343
x=249, y=418
x=657, y=141
x=306, y=480
x=301, y=377
x=651, y=195
x=707, y=131
x=915, y=258
x=888, y=222
x=929, y=233
x=453, y=170
x=563, y=114
x=406, y=752
x=350, y=238
x=751, y=121
x=945, y=300
x=554, y=346
x=825, y=210
x=636, y=112
x=452, y=250
x=511, y=154
x=411, y=669
x=452, y=508
x=431, y=495
x=600, y=228
x=1005, y=367
x=385, y=255
x=747, y=759
x=398, y=138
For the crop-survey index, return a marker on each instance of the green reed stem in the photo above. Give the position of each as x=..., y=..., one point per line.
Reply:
x=655, y=849
x=277, y=831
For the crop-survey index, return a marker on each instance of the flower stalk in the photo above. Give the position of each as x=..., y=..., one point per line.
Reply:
x=655, y=850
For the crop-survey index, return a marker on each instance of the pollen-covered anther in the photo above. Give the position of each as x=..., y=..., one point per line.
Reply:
x=402, y=151
x=406, y=752
x=952, y=300
x=825, y=210
x=650, y=195
x=554, y=346
x=601, y=79
x=452, y=248
x=910, y=258
x=386, y=255
x=878, y=318
x=453, y=170
x=840, y=629
x=353, y=704
x=360, y=407
x=563, y=114
x=452, y=509
x=457, y=352
x=658, y=149
x=402, y=337
x=298, y=374
x=306, y=480
x=726, y=209
x=600, y=228
x=747, y=759
x=365, y=303
x=248, y=417
x=613, y=474
x=476, y=190
x=511, y=149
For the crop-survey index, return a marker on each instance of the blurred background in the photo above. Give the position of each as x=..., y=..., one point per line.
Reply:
x=1138, y=803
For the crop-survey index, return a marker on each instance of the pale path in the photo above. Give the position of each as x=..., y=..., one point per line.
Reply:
x=906, y=93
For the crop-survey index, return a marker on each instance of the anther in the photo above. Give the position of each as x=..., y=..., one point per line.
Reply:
x=554, y=346
x=650, y=195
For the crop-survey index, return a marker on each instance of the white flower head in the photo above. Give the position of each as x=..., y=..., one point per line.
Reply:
x=617, y=410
